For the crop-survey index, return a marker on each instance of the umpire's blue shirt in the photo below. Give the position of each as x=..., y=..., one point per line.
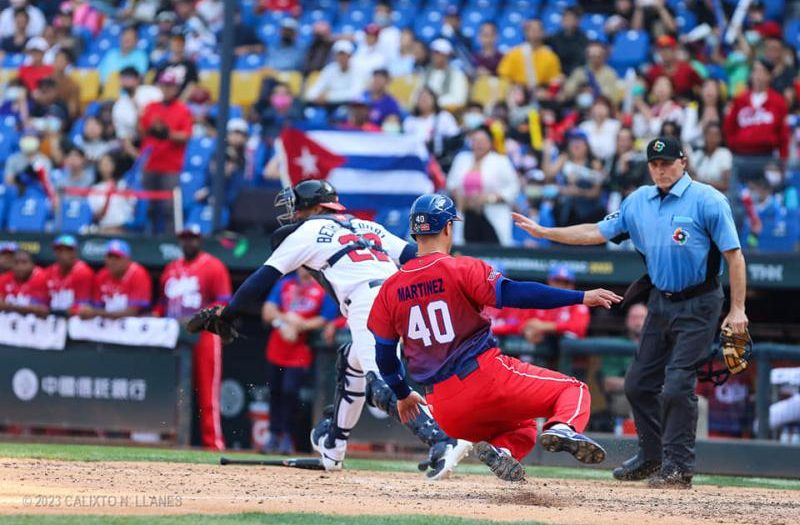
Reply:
x=675, y=233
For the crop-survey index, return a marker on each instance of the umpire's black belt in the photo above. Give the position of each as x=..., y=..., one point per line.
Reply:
x=467, y=368
x=691, y=292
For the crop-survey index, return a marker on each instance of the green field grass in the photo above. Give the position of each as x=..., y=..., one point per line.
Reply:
x=248, y=519
x=109, y=453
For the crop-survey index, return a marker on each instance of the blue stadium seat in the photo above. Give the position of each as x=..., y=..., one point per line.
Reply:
x=208, y=61
x=76, y=215
x=89, y=60
x=139, y=222
x=791, y=33
x=28, y=214
x=190, y=182
x=774, y=9
x=593, y=22
x=514, y=17
x=472, y=18
x=426, y=30
x=9, y=140
x=198, y=154
x=528, y=6
x=394, y=220
x=5, y=200
x=551, y=20
x=250, y=62
x=268, y=33
x=629, y=50
x=781, y=230
x=686, y=20
x=204, y=216
x=13, y=60
x=509, y=36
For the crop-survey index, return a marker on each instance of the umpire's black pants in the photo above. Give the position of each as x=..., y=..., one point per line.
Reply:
x=660, y=384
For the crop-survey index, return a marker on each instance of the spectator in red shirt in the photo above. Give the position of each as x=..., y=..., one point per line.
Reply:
x=199, y=280
x=7, y=250
x=121, y=289
x=166, y=127
x=755, y=126
x=296, y=305
x=30, y=74
x=69, y=280
x=24, y=290
x=683, y=76
x=548, y=326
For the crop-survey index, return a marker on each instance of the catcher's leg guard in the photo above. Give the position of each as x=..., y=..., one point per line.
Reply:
x=330, y=435
x=423, y=426
x=445, y=452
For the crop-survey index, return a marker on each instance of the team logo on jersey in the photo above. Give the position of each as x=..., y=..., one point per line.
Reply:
x=659, y=146
x=680, y=236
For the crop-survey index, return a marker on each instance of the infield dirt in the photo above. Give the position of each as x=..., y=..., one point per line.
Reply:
x=120, y=488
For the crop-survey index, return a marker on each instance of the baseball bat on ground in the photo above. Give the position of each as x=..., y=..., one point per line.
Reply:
x=303, y=463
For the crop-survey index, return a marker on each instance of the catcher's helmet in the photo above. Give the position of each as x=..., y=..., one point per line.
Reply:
x=304, y=195
x=430, y=213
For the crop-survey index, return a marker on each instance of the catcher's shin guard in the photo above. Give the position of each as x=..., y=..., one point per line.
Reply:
x=349, y=398
x=423, y=426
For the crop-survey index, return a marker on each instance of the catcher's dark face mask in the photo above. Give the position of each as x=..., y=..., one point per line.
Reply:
x=286, y=199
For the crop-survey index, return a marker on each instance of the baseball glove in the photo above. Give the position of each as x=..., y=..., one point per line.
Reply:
x=736, y=349
x=209, y=319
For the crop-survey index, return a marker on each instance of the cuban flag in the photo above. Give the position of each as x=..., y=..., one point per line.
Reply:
x=370, y=171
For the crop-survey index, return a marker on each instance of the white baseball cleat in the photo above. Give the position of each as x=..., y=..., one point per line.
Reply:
x=332, y=458
x=444, y=461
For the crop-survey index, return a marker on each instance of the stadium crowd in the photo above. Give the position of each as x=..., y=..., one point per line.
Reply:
x=538, y=106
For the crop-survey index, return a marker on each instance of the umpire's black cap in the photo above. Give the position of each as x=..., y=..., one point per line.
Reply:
x=666, y=148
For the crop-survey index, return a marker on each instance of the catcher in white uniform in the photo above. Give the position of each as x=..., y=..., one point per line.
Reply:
x=351, y=258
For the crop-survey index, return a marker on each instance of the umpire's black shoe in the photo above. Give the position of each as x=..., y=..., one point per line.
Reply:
x=670, y=477
x=636, y=469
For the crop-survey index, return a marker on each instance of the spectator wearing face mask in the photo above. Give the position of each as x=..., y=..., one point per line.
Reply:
x=28, y=169
x=596, y=74
x=278, y=110
x=389, y=37
x=288, y=54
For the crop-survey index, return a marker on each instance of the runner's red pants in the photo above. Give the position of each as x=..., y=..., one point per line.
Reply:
x=207, y=371
x=500, y=401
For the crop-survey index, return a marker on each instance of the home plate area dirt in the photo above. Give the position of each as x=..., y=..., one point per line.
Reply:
x=118, y=488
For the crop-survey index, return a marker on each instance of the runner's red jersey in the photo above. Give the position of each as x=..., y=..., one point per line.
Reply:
x=71, y=289
x=188, y=286
x=133, y=289
x=25, y=293
x=434, y=303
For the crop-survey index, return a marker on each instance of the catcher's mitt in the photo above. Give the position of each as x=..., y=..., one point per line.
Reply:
x=736, y=349
x=209, y=319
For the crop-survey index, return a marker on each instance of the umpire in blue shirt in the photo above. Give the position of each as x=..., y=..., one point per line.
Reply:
x=682, y=229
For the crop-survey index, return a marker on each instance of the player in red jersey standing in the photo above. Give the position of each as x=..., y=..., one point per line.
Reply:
x=199, y=280
x=69, y=280
x=434, y=303
x=296, y=305
x=121, y=289
x=23, y=289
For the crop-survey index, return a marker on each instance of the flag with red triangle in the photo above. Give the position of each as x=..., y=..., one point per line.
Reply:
x=306, y=158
